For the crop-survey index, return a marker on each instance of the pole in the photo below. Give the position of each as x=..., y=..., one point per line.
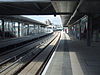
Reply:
x=89, y=30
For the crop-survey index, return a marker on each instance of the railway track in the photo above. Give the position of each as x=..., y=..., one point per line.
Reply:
x=26, y=47
x=15, y=64
x=11, y=48
x=18, y=43
x=15, y=54
x=36, y=66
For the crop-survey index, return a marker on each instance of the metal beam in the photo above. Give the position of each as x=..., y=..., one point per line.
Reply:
x=12, y=6
x=3, y=35
x=76, y=10
x=37, y=6
x=25, y=0
x=33, y=13
x=46, y=7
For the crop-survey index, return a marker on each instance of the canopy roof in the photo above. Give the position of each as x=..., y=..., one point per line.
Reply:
x=17, y=18
x=70, y=10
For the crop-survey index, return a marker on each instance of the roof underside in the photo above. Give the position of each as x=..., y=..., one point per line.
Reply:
x=77, y=9
x=21, y=19
x=67, y=7
x=26, y=8
x=70, y=10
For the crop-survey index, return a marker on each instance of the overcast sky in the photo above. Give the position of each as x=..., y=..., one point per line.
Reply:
x=42, y=18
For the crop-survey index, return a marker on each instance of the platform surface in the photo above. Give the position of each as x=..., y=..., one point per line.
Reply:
x=60, y=64
x=7, y=42
x=74, y=57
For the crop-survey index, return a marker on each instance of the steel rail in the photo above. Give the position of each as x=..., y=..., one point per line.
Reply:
x=13, y=58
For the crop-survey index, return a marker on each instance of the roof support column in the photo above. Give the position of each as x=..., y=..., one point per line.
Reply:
x=13, y=27
x=18, y=29
x=3, y=35
x=28, y=29
x=89, y=30
x=79, y=29
x=8, y=25
x=34, y=29
x=38, y=28
x=22, y=29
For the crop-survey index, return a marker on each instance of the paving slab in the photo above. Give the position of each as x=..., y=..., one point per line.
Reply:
x=88, y=57
x=60, y=64
x=74, y=57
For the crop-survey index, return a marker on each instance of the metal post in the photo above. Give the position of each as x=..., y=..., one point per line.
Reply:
x=3, y=35
x=27, y=29
x=8, y=26
x=80, y=30
x=12, y=27
x=18, y=29
x=89, y=30
x=38, y=28
x=97, y=35
x=34, y=29
x=22, y=29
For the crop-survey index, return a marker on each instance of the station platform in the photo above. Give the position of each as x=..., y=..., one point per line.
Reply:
x=74, y=57
x=14, y=41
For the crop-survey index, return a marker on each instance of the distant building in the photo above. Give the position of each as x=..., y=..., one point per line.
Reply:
x=48, y=22
x=58, y=27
